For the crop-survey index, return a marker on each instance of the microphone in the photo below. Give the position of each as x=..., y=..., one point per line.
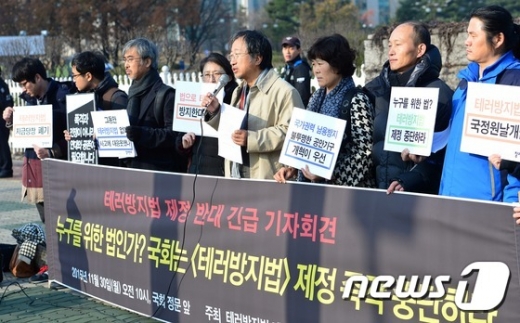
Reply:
x=222, y=81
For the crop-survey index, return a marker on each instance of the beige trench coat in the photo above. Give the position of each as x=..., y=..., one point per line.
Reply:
x=271, y=102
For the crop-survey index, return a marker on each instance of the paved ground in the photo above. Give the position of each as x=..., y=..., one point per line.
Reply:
x=24, y=302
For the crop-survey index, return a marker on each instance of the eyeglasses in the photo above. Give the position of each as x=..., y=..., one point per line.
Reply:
x=236, y=56
x=75, y=76
x=129, y=60
x=214, y=75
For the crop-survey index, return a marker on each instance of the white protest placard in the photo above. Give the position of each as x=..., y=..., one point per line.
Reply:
x=230, y=120
x=109, y=129
x=32, y=125
x=79, y=123
x=189, y=110
x=313, y=139
x=411, y=120
x=492, y=121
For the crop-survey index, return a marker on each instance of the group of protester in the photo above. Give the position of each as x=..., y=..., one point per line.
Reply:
x=492, y=47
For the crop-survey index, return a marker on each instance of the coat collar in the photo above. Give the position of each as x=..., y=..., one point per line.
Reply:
x=265, y=81
x=506, y=61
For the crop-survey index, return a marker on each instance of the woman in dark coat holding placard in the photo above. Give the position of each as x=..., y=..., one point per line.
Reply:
x=332, y=62
x=203, y=152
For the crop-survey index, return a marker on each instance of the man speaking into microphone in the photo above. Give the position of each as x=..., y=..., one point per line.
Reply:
x=268, y=102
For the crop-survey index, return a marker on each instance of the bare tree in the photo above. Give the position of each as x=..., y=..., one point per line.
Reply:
x=8, y=27
x=180, y=27
x=332, y=16
x=200, y=22
x=13, y=48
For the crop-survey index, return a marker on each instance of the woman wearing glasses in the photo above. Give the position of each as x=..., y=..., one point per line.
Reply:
x=203, y=152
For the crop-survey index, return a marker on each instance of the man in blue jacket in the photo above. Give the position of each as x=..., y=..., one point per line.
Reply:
x=493, y=47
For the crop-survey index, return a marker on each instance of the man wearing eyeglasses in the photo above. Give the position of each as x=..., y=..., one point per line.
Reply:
x=88, y=73
x=268, y=102
x=150, y=110
x=40, y=90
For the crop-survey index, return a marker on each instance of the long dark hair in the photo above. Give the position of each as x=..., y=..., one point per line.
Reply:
x=495, y=20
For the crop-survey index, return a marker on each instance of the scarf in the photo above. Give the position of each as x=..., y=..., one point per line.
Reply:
x=329, y=103
x=137, y=90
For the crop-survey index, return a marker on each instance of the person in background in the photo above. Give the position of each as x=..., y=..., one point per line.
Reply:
x=62, y=70
x=493, y=48
x=268, y=102
x=203, y=152
x=333, y=66
x=150, y=122
x=6, y=161
x=296, y=70
x=412, y=62
x=89, y=75
x=40, y=90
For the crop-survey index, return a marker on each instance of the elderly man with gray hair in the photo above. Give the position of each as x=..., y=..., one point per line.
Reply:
x=150, y=110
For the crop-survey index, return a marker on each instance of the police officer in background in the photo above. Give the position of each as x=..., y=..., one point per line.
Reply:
x=296, y=71
x=6, y=163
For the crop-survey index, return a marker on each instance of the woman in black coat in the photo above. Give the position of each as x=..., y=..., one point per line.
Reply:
x=203, y=152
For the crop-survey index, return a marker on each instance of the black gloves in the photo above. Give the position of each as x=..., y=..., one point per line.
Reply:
x=133, y=133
